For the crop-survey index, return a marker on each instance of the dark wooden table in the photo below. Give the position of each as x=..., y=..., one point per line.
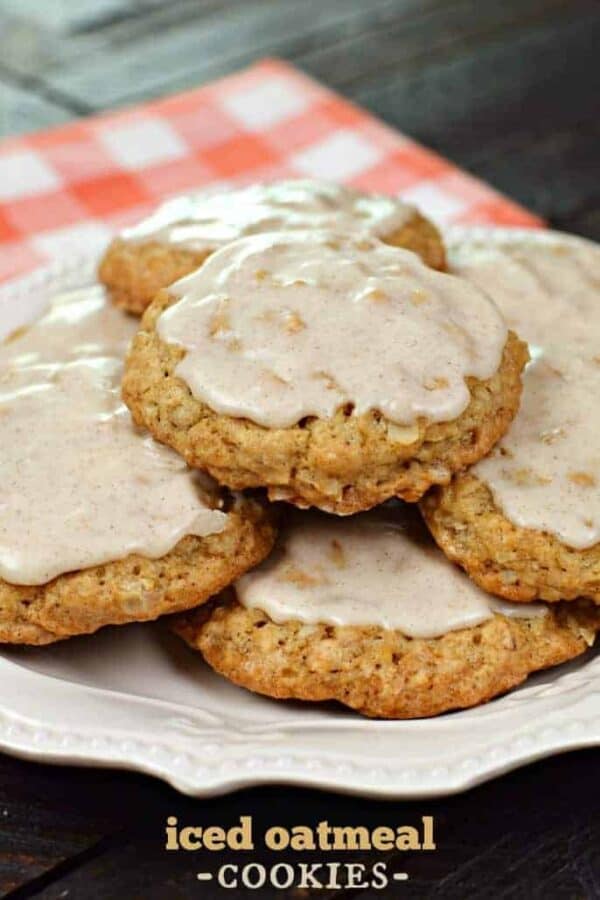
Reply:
x=509, y=90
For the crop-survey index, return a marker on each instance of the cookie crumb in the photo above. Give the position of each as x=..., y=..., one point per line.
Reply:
x=219, y=322
x=418, y=297
x=525, y=477
x=552, y=435
x=583, y=479
x=378, y=296
x=336, y=554
x=436, y=384
x=299, y=577
x=294, y=323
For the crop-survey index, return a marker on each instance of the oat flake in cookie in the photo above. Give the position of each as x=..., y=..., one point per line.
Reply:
x=525, y=521
x=367, y=611
x=181, y=233
x=99, y=523
x=336, y=371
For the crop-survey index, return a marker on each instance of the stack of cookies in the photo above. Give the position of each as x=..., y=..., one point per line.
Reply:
x=313, y=380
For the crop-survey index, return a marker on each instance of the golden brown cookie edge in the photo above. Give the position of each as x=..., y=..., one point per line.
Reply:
x=382, y=673
x=138, y=589
x=519, y=564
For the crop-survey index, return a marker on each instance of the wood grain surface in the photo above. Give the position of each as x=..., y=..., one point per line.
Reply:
x=509, y=90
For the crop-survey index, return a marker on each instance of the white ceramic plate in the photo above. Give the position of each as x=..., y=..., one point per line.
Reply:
x=137, y=698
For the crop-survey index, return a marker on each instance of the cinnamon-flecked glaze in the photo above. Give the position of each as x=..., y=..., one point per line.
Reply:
x=525, y=521
x=392, y=376
x=379, y=568
x=99, y=525
x=184, y=231
x=368, y=612
x=81, y=485
x=281, y=326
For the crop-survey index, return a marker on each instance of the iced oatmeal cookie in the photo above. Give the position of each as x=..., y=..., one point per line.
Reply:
x=525, y=521
x=100, y=525
x=335, y=371
x=368, y=612
x=184, y=231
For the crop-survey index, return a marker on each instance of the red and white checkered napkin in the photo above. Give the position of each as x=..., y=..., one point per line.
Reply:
x=68, y=189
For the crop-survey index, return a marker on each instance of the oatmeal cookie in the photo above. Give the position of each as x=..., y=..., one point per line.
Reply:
x=353, y=455
x=367, y=611
x=379, y=672
x=180, y=235
x=137, y=589
x=525, y=521
x=519, y=564
x=100, y=525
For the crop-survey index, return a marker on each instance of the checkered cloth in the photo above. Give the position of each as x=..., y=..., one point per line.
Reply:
x=70, y=188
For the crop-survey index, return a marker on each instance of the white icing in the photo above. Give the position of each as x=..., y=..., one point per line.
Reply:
x=545, y=473
x=81, y=485
x=379, y=568
x=286, y=325
x=207, y=219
